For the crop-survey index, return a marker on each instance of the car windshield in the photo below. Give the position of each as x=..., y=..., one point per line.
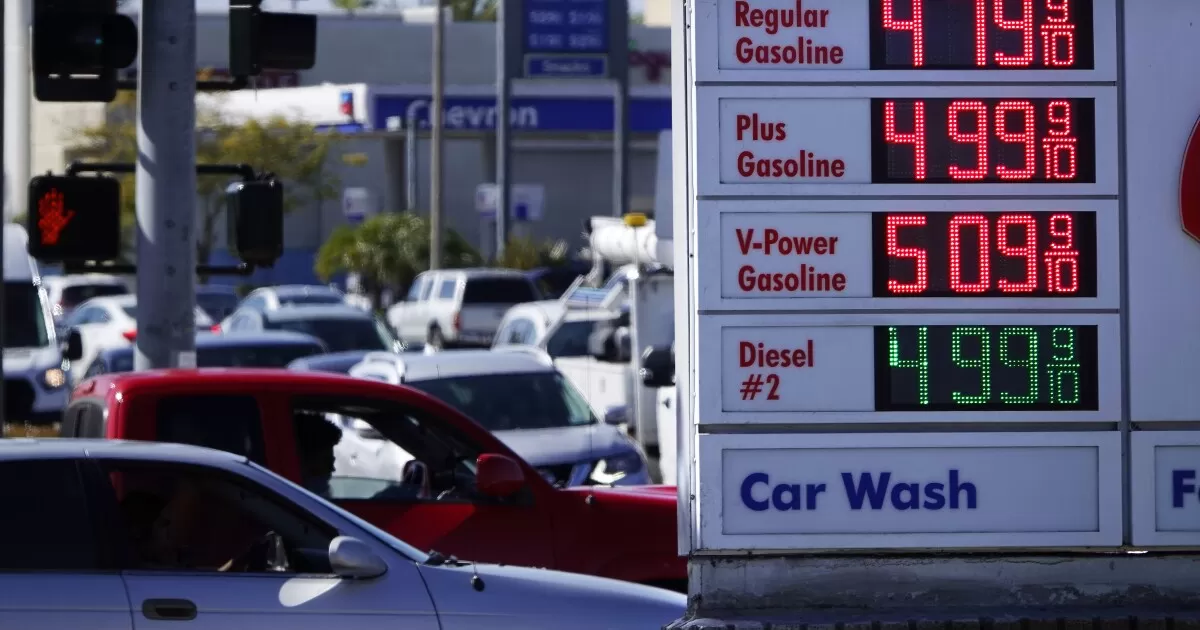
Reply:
x=24, y=321
x=73, y=296
x=310, y=298
x=218, y=306
x=202, y=318
x=259, y=356
x=342, y=334
x=498, y=291
x=570, y=339
x=507, y=402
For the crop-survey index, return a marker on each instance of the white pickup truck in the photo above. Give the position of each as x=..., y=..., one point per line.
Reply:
x=459, y=307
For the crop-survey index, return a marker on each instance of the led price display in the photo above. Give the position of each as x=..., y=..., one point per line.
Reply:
x=981, y=34
x=988, y=140
x=984, y=254
x=985, y=368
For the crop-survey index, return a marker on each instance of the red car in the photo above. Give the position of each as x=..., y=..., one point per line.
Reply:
x=473, y=497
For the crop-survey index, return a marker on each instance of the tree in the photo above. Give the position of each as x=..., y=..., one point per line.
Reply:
x=292, y=150
x=352, y=6
x=525, y=253
x=473, y=10
x=387, y=251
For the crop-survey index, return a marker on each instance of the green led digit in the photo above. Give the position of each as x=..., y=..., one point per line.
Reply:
x=983, y=363
x=920, y=364
x=1029, y=363
x=1063, y=369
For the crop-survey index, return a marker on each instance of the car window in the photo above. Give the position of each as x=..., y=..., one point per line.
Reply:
x=499, y=291
x=426, y=289
x=226, y=423
x=515, y=332
x=260, y=356
x=446, y=291
x=48, y=527
x=414, y=292
x=218, y=306
x=507, y=402
x=310, y=298
x=200, y=317
x=178, y=517
x=342, y=334
x=356, y=450
x=570, y=339
x=96, y=368
x=84, y=418
x=24, y=319
x=73, y=296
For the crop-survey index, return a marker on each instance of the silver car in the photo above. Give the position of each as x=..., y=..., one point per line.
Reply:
x=111, y=535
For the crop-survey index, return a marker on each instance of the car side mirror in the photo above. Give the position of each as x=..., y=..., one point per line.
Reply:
x=498, y=476
x=72, y=348
x=658, y=367
x=616, y=416
x=351, y=558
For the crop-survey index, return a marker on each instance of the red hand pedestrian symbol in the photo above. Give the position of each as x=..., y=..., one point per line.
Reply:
x=52, y=216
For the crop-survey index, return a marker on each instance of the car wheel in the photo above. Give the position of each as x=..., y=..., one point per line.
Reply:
x=435, y=339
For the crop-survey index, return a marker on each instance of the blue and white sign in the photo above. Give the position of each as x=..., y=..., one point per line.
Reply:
x=1165, y=486
x=527, y=201
x=870, y=491
x=358, y=204
x=564, y=67
x=566, y=26
x=473, y=113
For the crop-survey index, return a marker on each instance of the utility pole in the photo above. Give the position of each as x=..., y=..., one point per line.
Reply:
x=508, y=60
x=12, y=190
x=166, y=186
x=16, y=105
x=435, y=149
x=618, y=59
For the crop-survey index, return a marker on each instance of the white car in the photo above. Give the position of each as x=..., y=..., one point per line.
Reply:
x=69, y=291
x=128, y=535
x=109, y=322
x=459, y=307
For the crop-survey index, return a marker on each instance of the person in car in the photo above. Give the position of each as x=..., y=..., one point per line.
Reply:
x=315, y=439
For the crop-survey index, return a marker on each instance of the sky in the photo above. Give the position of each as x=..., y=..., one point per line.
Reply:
x=322, y=6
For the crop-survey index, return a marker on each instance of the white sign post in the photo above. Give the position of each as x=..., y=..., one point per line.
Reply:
x=906, y=325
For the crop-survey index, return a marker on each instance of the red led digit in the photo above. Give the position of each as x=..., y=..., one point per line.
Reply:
x=1058, y=35
x=1024, y=24
x=1028, y=251
x=1059, y=145
x=913, y=25
x=1027, y=137
x=957, y=224
x=916, y=138
x=917, y=254
x=981, y=30
x=1061, y=257
x=979, y=137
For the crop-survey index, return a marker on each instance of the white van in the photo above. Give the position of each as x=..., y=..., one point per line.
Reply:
x=35, y=383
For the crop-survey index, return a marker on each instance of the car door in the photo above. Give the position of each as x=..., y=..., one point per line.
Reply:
x=445, y=514
x=220, y=551
x=55, y=572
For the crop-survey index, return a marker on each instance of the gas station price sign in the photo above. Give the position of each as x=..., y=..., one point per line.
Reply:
x=981, y=35
x=984, y=254
x=986, y=368
x=983, y=140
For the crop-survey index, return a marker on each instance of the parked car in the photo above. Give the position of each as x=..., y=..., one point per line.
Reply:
x=341, y=327
x=459, y=307
x=519, y=396
x=627, y=533
x=217, y=300
x=121, y=536
x=273, y=348
x=551, y=326
x=68, y=291
x=109, y=322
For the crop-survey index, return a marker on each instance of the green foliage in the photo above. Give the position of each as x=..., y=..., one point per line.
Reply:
x=350, y=6
x=525, y=253
x=292, y=150
x=388, y=251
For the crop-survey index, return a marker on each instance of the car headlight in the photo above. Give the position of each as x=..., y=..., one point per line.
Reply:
x=612, y=469
x=54, y=378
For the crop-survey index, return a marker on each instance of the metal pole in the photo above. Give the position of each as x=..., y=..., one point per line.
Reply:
x=17, y=81
x=508, y=18
x=166, y=186
x=618, y=62
x=12, y=190
x=435, y=150
x=410, y=165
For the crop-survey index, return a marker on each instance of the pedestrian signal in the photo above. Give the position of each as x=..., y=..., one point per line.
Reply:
x=254, y=213
x=73, y=219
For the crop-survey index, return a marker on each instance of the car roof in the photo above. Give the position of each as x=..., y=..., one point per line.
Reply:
x=120, y=301
x=78, y=279
x=284, y=290
x=415, y=366
x=474, y=273
x=300, y=312
x=61, y=448
x=18, y=264
x=237, y=340
x=340, y=362
x=215, y=289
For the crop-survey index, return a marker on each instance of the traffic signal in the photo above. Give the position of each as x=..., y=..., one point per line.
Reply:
x=78, y=47
x=254, y=211
x=269, y=41
x=73, y=218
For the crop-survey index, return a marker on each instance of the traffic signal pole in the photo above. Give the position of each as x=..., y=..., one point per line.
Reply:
x=17, y=91
x=166, y=186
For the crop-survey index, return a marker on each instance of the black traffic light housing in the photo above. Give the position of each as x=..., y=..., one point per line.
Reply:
x=254, y=215
x=78, y=47
x=269, y=41
x=74, y=219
